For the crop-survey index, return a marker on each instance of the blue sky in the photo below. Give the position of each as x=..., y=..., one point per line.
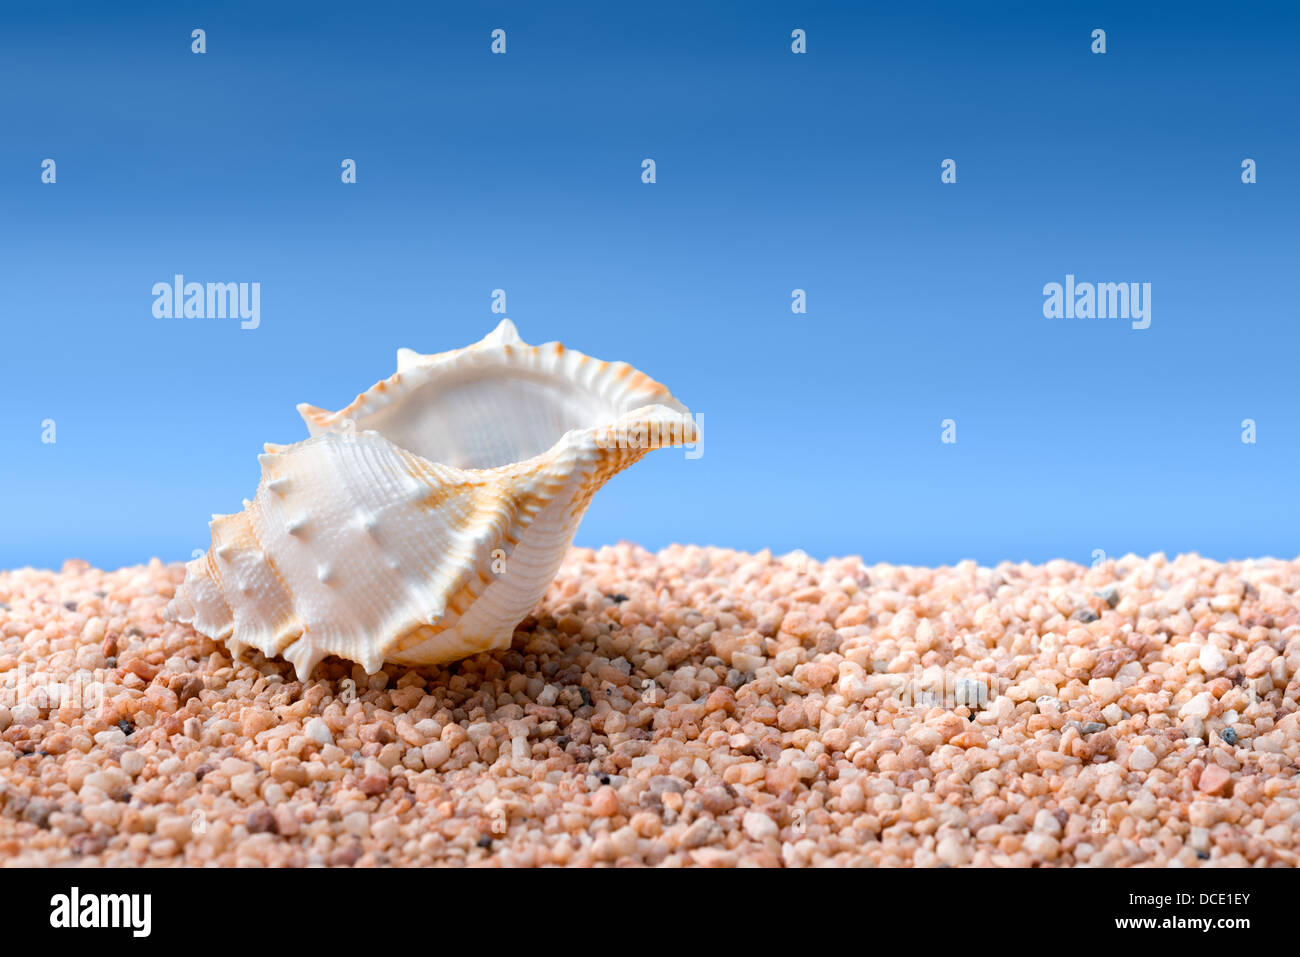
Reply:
x=775, y=171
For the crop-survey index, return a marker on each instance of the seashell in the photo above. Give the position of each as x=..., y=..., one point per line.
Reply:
x=424, y=521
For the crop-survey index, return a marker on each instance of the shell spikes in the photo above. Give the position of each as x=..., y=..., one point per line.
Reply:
x=422, y=522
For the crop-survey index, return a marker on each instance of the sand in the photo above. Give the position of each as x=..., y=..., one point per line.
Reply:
x=695, y=707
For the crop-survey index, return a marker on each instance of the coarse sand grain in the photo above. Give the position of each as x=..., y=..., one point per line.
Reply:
x=695, y=707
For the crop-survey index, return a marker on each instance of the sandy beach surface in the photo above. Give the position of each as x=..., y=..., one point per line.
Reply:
x=695, y=707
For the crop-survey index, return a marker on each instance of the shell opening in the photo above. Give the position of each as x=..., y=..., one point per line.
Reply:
x=471, y=421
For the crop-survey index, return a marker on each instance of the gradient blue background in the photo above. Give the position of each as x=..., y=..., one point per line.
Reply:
x=775, y=171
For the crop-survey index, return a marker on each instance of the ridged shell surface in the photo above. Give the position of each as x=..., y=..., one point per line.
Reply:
x=424, y=521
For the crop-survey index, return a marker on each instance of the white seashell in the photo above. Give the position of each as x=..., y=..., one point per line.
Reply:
x=425, y=520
